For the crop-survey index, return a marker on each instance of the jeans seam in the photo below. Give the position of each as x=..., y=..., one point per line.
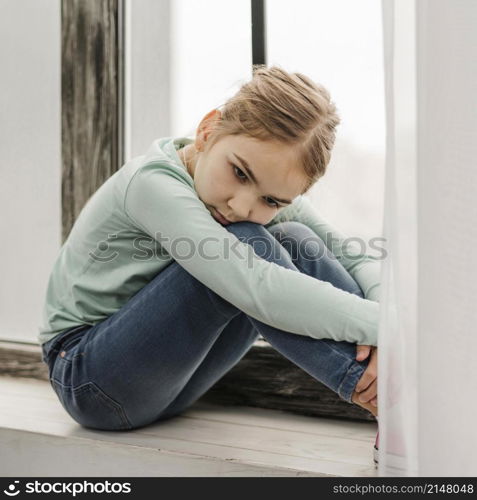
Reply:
x=350, y=380
x=100, y=395
x=117, y=407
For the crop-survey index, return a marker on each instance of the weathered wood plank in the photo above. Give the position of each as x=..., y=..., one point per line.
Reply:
x=20, y=360
x=266, y=379
x=91, y=106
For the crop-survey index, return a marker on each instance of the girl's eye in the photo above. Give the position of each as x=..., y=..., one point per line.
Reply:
x=239, y=173
x=273, y=202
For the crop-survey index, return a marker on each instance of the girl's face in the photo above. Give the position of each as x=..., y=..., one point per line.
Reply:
x=242, y=178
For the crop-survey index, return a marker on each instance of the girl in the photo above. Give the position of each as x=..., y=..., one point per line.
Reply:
x=189, y=252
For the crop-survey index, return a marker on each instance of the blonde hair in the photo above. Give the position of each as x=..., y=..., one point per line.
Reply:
x=286, y=107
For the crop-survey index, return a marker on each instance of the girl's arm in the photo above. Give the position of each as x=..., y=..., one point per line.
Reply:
x=365, y=269
x=161, y=203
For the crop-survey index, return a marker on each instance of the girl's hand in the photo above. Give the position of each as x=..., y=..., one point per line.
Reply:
x=363, y=351
x=368, y=383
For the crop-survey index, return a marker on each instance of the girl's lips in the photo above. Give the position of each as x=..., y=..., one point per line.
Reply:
x=220, y=217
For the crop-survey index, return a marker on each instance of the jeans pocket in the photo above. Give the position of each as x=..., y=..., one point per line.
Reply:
x=71, y=347
x=91, y=407
x=62, y=341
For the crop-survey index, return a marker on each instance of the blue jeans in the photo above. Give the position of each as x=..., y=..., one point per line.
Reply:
x=175, y=338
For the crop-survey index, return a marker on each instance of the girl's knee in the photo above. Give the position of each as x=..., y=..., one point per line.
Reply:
x=262, y=241
x=292, y=227
x=245, y=229
x=301, y=242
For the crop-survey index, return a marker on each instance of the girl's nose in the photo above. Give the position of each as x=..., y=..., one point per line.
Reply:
x=241, y=207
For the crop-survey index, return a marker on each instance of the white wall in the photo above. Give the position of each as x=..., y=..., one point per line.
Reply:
x=427, y=371
x=30, y=175
x=147, y=73
x=447, y=184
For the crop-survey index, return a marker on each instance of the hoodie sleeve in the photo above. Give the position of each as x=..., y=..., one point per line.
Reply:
x=365, y=269
x=160, y=203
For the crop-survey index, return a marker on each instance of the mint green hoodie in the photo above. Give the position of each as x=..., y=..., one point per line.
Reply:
x=148, y=215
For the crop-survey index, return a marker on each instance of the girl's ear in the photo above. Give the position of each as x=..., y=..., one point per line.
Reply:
x=205, y=127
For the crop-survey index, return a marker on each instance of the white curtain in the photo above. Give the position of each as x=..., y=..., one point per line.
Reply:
x=428, y=334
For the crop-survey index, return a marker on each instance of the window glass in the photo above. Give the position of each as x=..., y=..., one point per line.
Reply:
x=211, y=57
x=339, y=44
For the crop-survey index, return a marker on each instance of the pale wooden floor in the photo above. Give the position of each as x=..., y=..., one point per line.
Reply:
x=38, y=438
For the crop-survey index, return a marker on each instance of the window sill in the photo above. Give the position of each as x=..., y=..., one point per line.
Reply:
x=40, y=439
